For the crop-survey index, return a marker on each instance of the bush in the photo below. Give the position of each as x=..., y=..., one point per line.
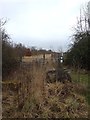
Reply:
x=78, y=55
x=10, y=58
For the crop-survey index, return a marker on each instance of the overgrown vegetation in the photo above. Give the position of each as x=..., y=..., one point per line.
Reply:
x=30, y=96
x=78, y=54
x=29, y=93
x=77, y=57
x=11, y=53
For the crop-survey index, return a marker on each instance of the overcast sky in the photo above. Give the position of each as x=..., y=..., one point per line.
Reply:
x=41, y=23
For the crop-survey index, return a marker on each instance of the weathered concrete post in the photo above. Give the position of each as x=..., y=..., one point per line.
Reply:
x=43, y=58
x=58, y=66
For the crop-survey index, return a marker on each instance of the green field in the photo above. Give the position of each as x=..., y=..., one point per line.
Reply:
x=84, y=80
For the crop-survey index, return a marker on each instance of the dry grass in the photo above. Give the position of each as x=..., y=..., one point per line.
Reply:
x=37, y=84
x=34, y=57
x=34, y=98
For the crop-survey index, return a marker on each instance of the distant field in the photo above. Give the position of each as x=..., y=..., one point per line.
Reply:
x=31, y=58
x=83, y=79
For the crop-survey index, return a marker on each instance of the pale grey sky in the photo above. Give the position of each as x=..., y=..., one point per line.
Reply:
x=41, y=23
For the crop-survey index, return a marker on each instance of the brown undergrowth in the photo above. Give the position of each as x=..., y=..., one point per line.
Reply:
x=27, y=95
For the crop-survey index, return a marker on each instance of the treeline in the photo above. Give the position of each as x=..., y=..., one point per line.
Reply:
x=35, y=51
x=78, y=54
x=12, y=53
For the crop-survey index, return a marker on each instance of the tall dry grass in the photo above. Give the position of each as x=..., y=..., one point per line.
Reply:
x=38, y=83
x=37, y=99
